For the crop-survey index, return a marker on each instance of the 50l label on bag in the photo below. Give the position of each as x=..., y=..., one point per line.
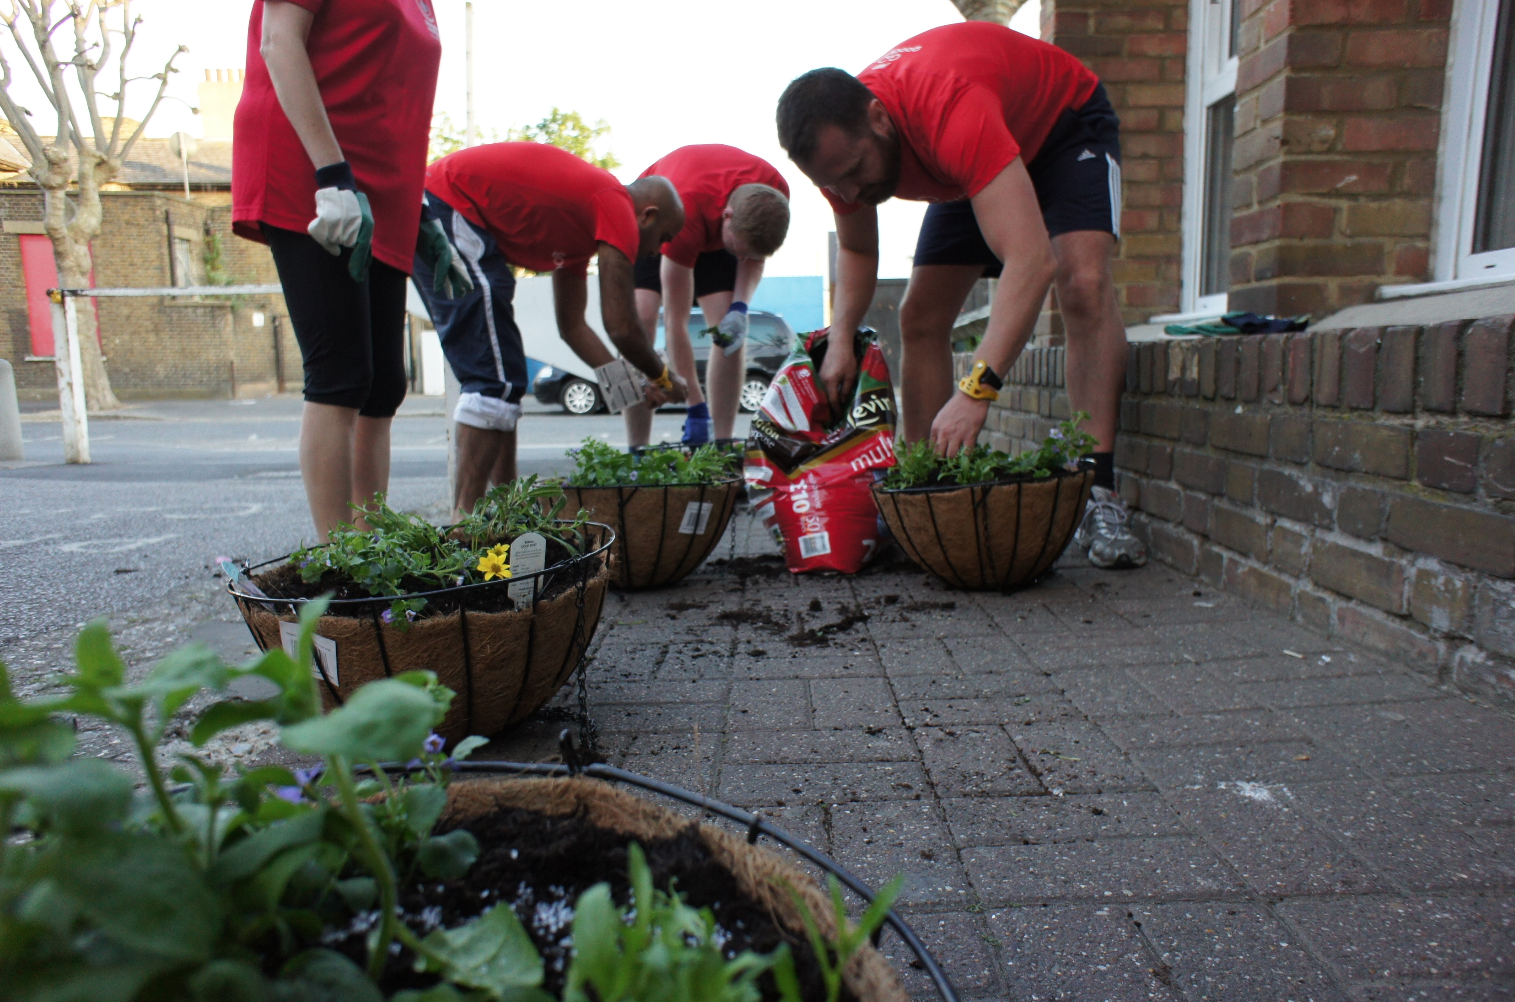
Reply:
x=325, y=663
x=696, y=517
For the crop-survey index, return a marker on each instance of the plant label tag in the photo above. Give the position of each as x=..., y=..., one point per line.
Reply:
x=528, y=554
x=696, y=517
x=816, y=544
x=324, y=648
x=620, y=384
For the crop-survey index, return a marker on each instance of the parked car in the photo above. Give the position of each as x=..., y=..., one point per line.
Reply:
x=769, y=341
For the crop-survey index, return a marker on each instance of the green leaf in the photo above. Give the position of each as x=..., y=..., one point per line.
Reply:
x=467, y=747
x=359, y=893
x=246, y=857
x=325, y=976
x=232, y=713
x=178, y=677
x=493, y=952
x=230, y=981
x=99, y=667
x=37, y=742
x=384, y=721
x=78, y=796
x=597, y=932
x=423, y=804
x=143, y=893
x=78, y=981
x=449, y=856
x=436, y=993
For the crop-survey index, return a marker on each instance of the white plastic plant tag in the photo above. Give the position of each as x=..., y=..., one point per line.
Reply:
x=324, y=648
x=817, y=544
x=696, y=518
x=620, y=384
x=528, y=554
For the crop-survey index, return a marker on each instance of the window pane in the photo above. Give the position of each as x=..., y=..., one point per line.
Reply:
x=1495, y=228
x=1235, y=13
x=1219, y=139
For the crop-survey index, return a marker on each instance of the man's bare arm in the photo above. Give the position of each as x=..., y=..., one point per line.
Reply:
x=856, y=279
x=618, y=310
x=749, y=273
x=1011, y=221
x=678, y=300
x=570, y=296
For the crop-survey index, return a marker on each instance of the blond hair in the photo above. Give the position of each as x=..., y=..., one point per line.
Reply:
x=759, y=217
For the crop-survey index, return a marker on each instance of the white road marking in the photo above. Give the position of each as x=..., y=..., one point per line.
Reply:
x=121, y=545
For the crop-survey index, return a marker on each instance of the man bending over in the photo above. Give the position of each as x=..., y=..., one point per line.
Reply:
x=541, y=208
x=1017, y=146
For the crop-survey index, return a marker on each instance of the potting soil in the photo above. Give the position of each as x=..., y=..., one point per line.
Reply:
x=540, y=865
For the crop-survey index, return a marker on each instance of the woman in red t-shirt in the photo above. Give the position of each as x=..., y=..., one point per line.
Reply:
x=328, y=165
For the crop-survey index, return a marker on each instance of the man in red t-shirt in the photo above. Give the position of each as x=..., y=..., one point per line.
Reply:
x=537, y=207
x=1017, y=145
x=736, y=215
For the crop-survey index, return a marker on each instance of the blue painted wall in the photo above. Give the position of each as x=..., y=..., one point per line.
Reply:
x=798, y=299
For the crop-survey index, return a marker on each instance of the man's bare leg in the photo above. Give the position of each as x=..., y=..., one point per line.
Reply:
x=326, y=446
x=1096, y=369
x=478, y=453
x=505, y=462
x=724, y=373
x=370, y=459
x=933, y=299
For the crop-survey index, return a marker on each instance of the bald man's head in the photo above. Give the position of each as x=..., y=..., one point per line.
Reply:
x=660, y=212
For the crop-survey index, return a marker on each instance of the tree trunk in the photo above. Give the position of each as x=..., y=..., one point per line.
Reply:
x=998, y=11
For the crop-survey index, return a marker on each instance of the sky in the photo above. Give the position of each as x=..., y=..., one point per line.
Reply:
x=662, y=74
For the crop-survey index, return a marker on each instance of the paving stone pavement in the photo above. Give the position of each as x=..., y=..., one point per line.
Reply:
x=1109, y=786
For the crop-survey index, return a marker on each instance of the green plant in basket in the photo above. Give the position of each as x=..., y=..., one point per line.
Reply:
x=597, y=464
x=918, y=465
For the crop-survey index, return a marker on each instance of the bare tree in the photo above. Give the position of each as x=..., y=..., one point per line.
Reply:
x=95, y=144
x=999, y=11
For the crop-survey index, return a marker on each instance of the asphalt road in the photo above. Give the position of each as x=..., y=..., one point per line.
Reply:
x=175, y=484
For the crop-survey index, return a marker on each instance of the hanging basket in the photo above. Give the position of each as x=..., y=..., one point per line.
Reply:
x=760, y=874
x=661, y=533
x=988, y=536
x=504, y=665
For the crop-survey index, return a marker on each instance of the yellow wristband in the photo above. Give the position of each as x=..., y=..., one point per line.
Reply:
x=664, y=381
x=973, y=383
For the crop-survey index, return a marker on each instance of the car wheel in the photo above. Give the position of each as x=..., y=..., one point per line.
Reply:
x=754, y=389
x=581, y=397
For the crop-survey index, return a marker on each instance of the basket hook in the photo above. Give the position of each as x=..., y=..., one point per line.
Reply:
x=570, y=752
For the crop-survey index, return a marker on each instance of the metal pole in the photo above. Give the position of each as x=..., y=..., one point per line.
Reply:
x=70, y=378
x=470, y=132
x=184, y=157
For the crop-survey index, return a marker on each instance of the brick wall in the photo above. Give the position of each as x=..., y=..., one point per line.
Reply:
x=1139, y=52
x=158, y=347
x=1362, y=482
x=1337, y=122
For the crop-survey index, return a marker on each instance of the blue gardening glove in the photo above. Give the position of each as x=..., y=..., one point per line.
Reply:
x=731, y=332
x=343, y=218
x=449, y=278
x=697, y=425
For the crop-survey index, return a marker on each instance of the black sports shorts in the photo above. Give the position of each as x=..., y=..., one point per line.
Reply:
x=1076, y=175
x=351, y=334
x=714, y=271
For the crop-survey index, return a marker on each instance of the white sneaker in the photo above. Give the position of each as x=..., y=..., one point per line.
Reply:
x=1105, y=535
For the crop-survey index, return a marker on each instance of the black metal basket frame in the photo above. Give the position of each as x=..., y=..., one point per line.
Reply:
x=979, y=498
x=624, y=495
x=580, y=566
x=755, y=826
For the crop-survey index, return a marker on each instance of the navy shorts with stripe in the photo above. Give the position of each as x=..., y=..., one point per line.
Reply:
x=1076, y=175
x=478, y=330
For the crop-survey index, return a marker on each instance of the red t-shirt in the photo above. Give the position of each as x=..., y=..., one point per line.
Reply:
x=705, y=177
x=376, y=64
x=545, y=207
x=966, y=100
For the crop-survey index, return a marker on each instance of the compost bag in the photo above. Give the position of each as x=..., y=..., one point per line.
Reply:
x=810, y=473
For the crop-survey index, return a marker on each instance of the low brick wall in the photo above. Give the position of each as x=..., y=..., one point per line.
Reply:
x=1361, y=481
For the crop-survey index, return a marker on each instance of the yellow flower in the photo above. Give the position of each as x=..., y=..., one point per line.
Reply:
x=493, y=566
x=502, y=551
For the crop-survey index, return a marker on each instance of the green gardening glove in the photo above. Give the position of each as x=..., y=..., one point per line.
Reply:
x=362, y=251
x=449, y=278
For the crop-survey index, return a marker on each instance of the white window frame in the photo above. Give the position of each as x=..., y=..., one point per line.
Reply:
x=1470, y=53
x=1211, y=77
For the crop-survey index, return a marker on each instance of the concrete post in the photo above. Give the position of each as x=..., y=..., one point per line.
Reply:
x=10, y=415
x=450, y=407
x=70, y=379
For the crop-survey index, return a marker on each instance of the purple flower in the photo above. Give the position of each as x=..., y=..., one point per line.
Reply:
x=289, y=793
x=387, y=616
x=305, y=777
x=434, y=743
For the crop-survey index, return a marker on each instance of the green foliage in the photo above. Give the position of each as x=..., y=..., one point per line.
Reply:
x=119, y=896
x=401, y=553
x=567, y=130
x=492, y=953
x=918, y=465
x=661, y=950
x=832, y=954
x=597, y=464
x=448, y=136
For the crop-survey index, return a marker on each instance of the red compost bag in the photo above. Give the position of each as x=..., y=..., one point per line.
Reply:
x=810, y=474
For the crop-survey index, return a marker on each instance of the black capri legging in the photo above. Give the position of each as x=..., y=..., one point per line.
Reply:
x=351, y=334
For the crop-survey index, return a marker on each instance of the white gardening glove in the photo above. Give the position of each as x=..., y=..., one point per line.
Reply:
x=339, y=218
x=732, y=330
